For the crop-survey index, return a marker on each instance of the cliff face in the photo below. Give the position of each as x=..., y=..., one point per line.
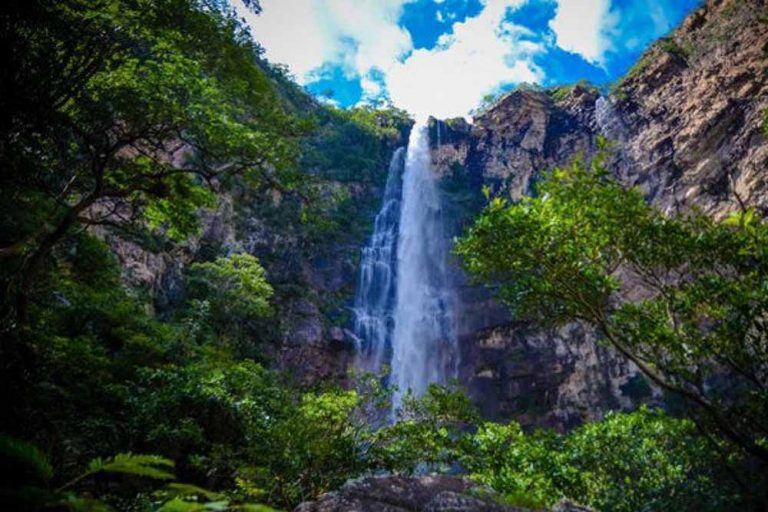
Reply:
x=309, y=246
x=688, y=116
x=686, y=122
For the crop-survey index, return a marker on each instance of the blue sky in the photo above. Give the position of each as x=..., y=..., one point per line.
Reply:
x=441, y=57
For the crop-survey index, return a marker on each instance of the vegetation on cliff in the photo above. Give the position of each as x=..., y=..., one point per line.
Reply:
x=696, y=326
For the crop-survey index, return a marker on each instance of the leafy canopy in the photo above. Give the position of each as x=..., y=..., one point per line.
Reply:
x=697, y=325
x=154, y=104
x=639, y=461
x=235, y=286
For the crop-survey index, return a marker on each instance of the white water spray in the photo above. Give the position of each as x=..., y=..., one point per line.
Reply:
x=424, y=345
x=375, y=297
x=409, y=321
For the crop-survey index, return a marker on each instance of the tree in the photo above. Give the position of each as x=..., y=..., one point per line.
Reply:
x=428, y=430
x=643, y=460
x=148, y=105
x=699, y=330
x=233, y=290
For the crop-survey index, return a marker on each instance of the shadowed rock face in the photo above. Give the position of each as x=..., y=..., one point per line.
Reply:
x=437, y=493
x=686, y=122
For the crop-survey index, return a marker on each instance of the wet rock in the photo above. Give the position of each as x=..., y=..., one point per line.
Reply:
x=435, y=493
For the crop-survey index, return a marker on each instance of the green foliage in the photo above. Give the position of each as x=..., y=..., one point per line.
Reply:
x=150, y=466
x=24, y=460
x=129, y=117
x=565, y=255
x=560, y=93
x=351, y=145
x=317, y=447
x=517, y=465
x=670, y=45
x=639, y=461
x=428, y=431
x=28, y=492
x=152, y=103
x=153, y=108
x=235, y=287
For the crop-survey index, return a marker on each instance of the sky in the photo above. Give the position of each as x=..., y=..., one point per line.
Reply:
x=443, y=57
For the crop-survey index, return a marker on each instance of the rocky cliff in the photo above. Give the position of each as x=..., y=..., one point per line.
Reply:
x=686, y=123
x=308, y=240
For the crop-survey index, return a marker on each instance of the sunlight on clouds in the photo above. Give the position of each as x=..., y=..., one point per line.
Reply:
x=292, y=33
x=476, y=58
x=359, y=35
x=364, y=38
x=365, y=43
x=583, y=27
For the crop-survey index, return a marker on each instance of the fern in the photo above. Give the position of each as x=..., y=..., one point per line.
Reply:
x=177, y=489
x=150, y=466
x=20, y=454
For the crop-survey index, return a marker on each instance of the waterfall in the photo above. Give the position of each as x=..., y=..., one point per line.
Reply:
x=405, y=306
x=375, y=296
x=608, y=123
x=424, y=345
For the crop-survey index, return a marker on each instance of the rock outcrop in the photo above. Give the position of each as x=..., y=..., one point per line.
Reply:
x=687, y=126
x=438, y=493
x=688, y=117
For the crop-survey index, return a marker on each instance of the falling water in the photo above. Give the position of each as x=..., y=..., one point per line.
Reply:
x=424, y=346
x=375, y=297
x=609, y=124
x=405, y=307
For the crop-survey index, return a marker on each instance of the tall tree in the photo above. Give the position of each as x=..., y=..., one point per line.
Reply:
x=125, y=113
x=699, y=330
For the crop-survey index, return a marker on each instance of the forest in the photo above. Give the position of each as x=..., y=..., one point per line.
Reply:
x=128, y=125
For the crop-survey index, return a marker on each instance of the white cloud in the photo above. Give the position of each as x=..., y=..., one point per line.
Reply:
x=478, y=56
x=583, y=27
x=359, y=35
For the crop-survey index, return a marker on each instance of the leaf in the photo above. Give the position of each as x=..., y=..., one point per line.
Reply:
x=253, y=507
x=181, y=505
x=150, y=466
x=177, y=489
x=21, y=453
x=75, y=503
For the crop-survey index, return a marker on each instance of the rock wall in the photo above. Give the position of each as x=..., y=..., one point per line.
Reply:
x=686, y=122
x=688, y=117
x=313, y=270
x=433, y=493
